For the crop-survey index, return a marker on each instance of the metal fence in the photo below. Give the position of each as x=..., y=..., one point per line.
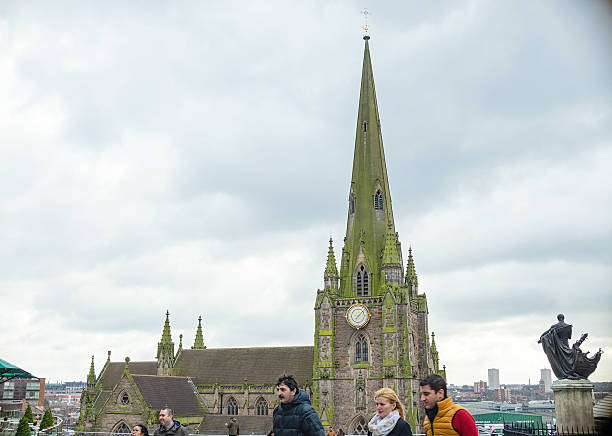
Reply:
x=548, y=430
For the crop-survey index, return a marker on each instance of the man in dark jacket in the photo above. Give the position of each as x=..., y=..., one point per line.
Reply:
x=294, y=416
x=168, y=426
x=233, y=429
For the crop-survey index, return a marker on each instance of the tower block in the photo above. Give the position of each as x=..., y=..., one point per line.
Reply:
x=370, y=319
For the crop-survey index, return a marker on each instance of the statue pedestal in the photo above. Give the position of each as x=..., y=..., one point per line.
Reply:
x=573, y=405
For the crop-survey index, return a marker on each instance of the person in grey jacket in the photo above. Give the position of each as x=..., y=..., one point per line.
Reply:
x=233, y=429
x=294, y=416
x=168, y=426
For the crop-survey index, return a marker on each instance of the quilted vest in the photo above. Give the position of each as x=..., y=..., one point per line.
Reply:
x=443, y=422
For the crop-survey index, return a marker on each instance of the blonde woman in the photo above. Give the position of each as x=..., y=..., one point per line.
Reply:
x=390, y=415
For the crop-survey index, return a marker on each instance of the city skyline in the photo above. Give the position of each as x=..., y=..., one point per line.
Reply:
x=197, y=159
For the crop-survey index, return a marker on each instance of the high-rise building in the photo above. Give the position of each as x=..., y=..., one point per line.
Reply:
x=493, y=378
x=547, y=378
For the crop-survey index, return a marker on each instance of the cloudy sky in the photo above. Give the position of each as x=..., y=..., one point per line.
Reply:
x=196, y=156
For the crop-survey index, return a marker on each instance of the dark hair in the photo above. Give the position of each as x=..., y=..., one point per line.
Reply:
x=143, y=429
x=435, y=382
x=287, y=380
x=169, y=410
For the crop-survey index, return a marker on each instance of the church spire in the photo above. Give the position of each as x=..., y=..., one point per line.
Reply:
x=434, y=354
x=91, y=377
x=370, y=215
x=331, y=271
x=411, y=276
x=198, y=344
x=165, y=349
x=166, y=336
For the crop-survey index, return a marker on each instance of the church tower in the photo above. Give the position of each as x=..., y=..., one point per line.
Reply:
x=370, y=321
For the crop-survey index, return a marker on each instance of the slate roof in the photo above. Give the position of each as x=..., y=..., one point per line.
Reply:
x=167, y=391
x=99, y=402
x=215, y=424
x=114, y=371
x=233, y=365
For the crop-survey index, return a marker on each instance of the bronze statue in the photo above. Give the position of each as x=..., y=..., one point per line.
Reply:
x=566, y=362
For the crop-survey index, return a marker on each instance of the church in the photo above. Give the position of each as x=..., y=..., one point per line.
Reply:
x=370, y=332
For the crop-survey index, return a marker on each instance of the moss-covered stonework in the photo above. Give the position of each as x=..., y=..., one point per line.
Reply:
x=399, y=353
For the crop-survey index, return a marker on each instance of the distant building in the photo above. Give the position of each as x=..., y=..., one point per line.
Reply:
x=547, y=379
x=480, y=386
x=65, y=393
x=501, y=394
x=493, y=378
x=17, y=393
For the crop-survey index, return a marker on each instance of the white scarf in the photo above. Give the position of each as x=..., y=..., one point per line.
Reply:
x=382, y=427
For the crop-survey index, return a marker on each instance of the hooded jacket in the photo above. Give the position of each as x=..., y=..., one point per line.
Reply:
x=176, y=429
x=297, y=418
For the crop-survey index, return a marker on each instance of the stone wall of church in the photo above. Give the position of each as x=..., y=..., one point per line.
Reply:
x=116, y=412
x=397, y=358
x=217, y=402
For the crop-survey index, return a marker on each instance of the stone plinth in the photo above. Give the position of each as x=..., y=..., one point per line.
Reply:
x=573, y=404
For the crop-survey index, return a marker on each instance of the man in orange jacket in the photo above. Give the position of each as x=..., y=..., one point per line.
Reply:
x=444, y=418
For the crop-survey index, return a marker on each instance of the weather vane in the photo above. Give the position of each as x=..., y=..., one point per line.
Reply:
x=366, y=27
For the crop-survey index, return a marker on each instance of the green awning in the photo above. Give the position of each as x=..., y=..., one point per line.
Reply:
x=8, y=371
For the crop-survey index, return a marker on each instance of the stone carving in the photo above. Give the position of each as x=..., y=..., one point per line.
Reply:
x=389, y=317
x=325, y=348
x=326, y=321
x=567, y=363
x=389, y=347
x=360, y=400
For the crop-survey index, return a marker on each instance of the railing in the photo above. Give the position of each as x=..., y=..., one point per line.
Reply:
x=548, y=430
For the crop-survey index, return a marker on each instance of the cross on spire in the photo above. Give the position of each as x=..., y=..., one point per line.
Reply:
x=366, y=26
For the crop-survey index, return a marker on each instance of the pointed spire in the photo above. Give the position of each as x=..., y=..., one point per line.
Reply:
x=165, y=349
x=198, y=344
x=331, y=276
x=166, y=336
x=370, y=214
x=391, y=255
x=411, y=276
x=91, y=377
x=180, y=347
x=434, y=354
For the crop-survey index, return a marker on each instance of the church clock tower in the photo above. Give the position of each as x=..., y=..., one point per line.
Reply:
x=370, y=320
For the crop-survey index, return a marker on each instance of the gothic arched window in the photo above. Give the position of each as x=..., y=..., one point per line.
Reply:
x=361, y=349
x=261, y=406
x=232, y=406
x=361, y=427
x=351, y=203
x=363, y=285
x=122, y=429
x=378, y=200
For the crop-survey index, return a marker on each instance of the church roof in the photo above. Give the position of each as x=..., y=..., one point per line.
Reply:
x=114, y=371
x=166, y=391
x=234, y=365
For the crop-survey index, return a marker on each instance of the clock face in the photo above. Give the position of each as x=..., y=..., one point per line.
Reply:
x=358, y=316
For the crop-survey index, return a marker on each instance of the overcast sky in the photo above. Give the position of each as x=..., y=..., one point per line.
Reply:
x=196, y=156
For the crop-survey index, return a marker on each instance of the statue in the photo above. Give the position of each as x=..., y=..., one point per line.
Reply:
x=567, y=363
